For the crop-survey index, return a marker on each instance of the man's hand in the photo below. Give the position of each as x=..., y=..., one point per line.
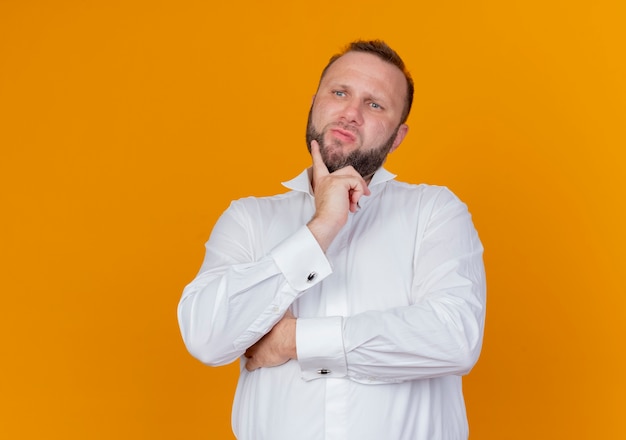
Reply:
x=276, y=347
x=336, y=194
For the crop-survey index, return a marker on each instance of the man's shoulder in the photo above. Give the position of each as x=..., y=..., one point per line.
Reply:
x=423, y=196
x=275, y=198
x=420, y=190
x=252, y=203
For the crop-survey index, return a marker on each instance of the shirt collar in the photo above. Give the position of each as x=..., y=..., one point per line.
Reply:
x=302, y=182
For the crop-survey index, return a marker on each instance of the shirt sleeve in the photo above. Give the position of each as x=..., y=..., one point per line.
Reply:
x=439, y=333
x=319, y=345
x=236, y=298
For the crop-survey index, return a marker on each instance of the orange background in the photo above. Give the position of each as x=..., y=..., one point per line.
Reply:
x=126, y=127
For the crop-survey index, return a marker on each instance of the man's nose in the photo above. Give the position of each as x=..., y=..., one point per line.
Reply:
x=353, y=112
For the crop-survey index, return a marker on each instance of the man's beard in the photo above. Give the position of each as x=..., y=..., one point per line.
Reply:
x=364, y=162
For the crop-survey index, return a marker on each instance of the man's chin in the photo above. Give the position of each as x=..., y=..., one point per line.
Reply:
x=334, y=158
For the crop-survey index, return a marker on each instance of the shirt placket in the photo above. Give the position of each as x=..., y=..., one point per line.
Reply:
x=337, y=389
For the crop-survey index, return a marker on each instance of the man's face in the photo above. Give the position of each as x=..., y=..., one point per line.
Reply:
x=355, y=115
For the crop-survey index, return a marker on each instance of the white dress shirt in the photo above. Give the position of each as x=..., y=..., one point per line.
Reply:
x=389, y=318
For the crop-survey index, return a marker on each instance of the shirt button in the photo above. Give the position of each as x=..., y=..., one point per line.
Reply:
x=311, y=277
x=323, y=371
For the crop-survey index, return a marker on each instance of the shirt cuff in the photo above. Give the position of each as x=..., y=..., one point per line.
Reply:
x=301, y=259
x=319, y=345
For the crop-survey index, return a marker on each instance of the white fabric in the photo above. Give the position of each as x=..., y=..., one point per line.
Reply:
x=388, y=319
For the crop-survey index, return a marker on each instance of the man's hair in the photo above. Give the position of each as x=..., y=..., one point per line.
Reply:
x=385, y=53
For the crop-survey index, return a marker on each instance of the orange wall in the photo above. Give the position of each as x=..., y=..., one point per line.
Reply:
x=126, y=127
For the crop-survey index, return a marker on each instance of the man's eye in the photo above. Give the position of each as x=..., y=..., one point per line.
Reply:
x=374, y=105
x=339, y=93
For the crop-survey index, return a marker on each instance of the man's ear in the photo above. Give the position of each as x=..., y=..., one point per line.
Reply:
x=402, y=131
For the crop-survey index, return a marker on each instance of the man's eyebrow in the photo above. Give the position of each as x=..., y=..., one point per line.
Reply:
x=377, y=98
x=338, y=85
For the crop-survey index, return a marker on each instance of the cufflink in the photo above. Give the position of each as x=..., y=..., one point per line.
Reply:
x=311, y=277
x=323, y=371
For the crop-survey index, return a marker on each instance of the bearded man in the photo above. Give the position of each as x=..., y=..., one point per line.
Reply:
x=355, y=302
